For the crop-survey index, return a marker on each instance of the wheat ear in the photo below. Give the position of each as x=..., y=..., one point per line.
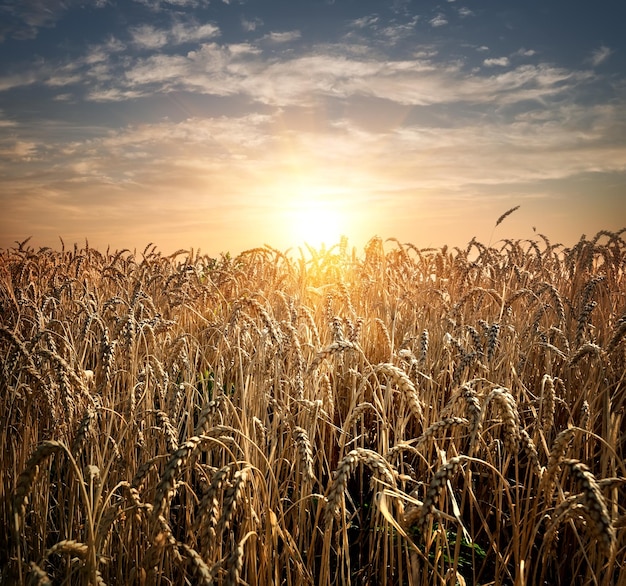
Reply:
x=506, y=215
x=346, y=467
x=38, y=576
x=26, y=479
x=208, y=511
x=166, y=487
x=547, y=403
x=510, y=417
x=593, y=501
x=305, y=452
x=202, y=573
x=559, y=447
x=528, y=446
x=334, y=348
x=233, y=495
x=441, y=425
x=400, y=379
x=436, y=486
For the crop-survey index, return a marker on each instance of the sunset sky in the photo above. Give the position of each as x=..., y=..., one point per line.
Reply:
x=230, y=124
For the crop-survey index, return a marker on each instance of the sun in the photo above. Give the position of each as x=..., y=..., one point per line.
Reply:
x=315, y=223
x=312, y=202
x=315, y=216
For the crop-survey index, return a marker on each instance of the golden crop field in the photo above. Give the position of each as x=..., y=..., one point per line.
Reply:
x=394, y=415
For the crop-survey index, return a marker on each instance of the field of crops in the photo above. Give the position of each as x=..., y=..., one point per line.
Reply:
x=394, y=415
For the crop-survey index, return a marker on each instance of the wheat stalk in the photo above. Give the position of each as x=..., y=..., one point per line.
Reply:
x=85, y=429
x=527, y=444
x=586, y=348
x=277, y=415
x=68, y=546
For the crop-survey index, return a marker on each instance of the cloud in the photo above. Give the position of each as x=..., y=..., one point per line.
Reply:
x=496, y=62
x=394, y=33
x=101, y=53
x=14, y=80
x=365, y=21
x=18, y=150
x=282, y=37
x=136, y=169
x=157, y=69
x=63, y=97
x=146, y=36
x=159, y=5
x=284, y=77
x=250, y=24
x=242, y=49
x=368, y=118
x=600, y=56
x=438, y=20
x=465, y=12
x=149, y=37
x=22, y=19
x=192, y=32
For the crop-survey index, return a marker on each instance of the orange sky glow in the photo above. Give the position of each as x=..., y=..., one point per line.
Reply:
x=195, y=124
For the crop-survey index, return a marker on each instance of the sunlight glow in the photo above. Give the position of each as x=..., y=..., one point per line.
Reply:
x=314, y=215
x=315, y=224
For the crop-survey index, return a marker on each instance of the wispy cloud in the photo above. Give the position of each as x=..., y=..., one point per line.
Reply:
x=23, y=19
x=158, y=5
x=146, y=36
x=438, y=20
x=18, y=150
x=464, y=12
x=251, y=24
x=365, y=21
x=149, y=37
x=14, y=80
x=282, y=37
x=600, y=56
x=496, y=62
x=298, y=79
x=102, y=52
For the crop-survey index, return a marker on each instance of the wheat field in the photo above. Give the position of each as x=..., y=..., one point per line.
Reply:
x=393, y=416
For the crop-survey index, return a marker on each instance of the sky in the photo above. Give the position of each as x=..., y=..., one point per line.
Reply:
x=230, y=124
